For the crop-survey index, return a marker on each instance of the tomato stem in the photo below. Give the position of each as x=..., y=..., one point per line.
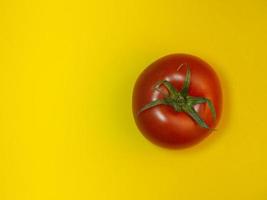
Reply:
x=180, y=100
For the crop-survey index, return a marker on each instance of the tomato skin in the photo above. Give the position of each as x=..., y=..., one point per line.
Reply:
x=162, y=124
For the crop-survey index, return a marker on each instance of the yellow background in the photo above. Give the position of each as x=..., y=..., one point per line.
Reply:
x=67, y=69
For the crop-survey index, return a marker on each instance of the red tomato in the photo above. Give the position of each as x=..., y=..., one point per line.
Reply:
x=177, y=101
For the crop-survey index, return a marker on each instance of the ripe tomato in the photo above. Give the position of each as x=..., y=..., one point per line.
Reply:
x=177, y=101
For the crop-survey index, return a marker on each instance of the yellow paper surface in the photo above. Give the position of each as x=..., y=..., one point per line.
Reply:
x=67, y=70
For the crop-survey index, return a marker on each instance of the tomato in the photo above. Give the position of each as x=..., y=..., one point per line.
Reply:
x=177, y=101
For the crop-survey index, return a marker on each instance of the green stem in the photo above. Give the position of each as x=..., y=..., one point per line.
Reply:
x=153, y=104
x=180, y=100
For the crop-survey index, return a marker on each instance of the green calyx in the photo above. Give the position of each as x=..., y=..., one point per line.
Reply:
x=180, y=100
